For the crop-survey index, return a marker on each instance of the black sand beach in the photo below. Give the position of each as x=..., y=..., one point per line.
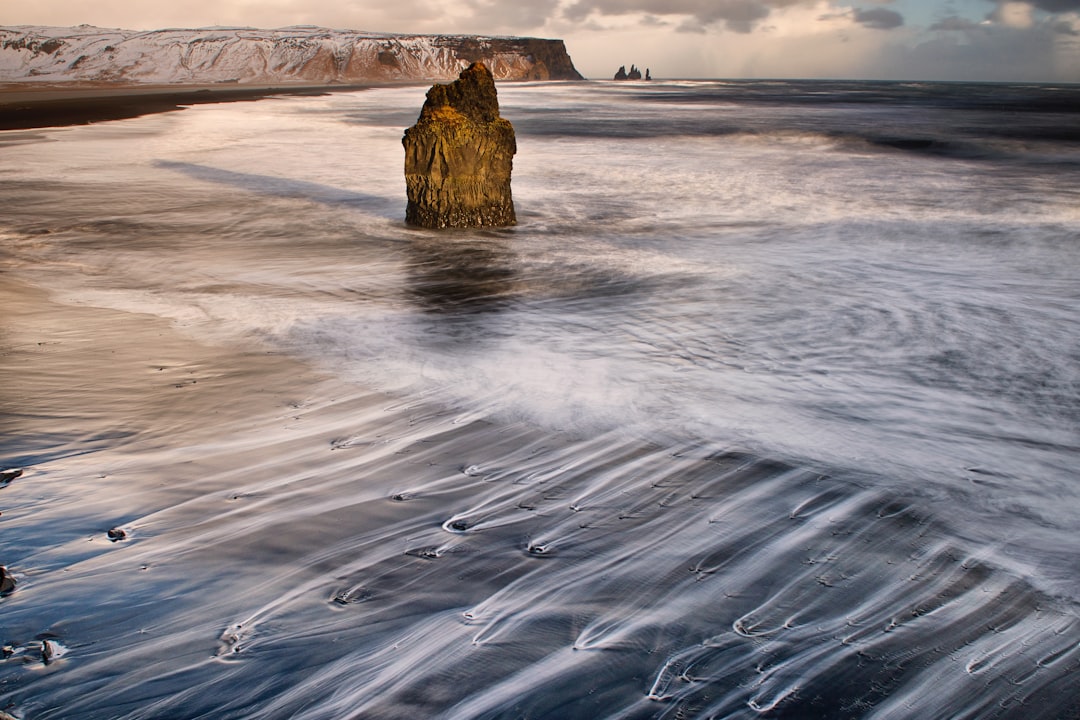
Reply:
x=130, y=375
x=25, y=106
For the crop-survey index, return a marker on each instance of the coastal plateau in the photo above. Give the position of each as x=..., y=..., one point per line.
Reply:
x=307, y=55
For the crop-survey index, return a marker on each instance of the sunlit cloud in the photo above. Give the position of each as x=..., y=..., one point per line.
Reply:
x=1014, y=14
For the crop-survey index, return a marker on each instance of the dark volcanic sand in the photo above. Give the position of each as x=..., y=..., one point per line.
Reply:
x=36, y=106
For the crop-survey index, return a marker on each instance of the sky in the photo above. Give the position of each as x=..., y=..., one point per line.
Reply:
x=994, y=40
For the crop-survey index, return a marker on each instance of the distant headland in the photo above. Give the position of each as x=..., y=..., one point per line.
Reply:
x=294, y=55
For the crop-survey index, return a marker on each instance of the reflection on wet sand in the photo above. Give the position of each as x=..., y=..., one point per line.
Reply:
x=450, y=275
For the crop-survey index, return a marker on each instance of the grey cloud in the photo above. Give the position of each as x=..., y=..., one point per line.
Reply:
x=996, y=52
x=575, y=13
x=1057, y=6
x=737, y=15
x=955, y=24
x=1050, y=6
x=879, y=18
x=741, y=26
x=691, y=27
x=534, y=13
x=578, y=11
x=653, y=21
x=512, y=14
x=1064, y=28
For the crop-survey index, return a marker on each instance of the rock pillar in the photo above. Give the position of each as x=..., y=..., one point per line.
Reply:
x=458, y=156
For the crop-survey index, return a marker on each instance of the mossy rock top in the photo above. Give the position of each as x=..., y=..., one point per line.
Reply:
x=472, y=95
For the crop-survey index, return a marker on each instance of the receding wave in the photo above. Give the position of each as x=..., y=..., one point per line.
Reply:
x=927, y=119
x=417, y=563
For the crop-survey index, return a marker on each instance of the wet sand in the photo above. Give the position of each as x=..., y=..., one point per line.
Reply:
x=24, y=106
x=77, y=379
x=279, y=523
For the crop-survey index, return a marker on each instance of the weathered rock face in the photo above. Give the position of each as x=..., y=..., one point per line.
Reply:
x=7, y=582
x=459, y=155
x=634, y=73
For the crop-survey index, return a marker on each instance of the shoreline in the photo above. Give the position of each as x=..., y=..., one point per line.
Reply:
x=33, y=106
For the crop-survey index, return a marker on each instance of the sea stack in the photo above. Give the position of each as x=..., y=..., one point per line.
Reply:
x=458, y=156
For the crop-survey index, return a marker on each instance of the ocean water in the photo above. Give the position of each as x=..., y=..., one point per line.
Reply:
x=768, y=407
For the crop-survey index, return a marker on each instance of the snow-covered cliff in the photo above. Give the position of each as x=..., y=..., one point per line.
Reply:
x=246, y=55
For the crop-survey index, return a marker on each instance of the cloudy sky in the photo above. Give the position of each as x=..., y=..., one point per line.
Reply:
x=1005, y=40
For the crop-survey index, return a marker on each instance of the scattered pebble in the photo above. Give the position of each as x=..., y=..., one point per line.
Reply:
x=354, y=595
x=116, y=534
x=7, y=582
x=51, y=647
x=6, y=476
x=429, y=552
x=45, y=648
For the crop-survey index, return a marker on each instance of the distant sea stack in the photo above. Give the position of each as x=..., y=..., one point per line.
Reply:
x=634, y=73
x=245, y=55
x=459, y=155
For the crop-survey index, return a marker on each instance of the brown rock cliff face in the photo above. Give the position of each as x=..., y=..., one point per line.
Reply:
x=459, y=155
